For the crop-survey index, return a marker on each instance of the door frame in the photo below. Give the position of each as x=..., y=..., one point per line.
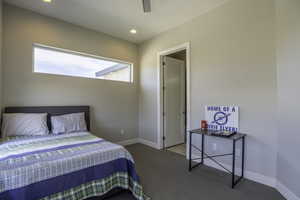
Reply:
x=160, y=123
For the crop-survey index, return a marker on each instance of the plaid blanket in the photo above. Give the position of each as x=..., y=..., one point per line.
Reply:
x=70, y=166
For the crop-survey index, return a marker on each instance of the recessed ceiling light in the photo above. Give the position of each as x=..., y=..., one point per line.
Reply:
x=47, y=1
x=133, y=31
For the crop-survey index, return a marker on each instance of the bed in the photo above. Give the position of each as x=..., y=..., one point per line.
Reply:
x=74, y=166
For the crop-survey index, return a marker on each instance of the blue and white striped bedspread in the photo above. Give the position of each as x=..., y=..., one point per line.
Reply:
x=33, y=168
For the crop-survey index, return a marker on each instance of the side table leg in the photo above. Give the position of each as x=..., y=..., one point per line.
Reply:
x=233, y=165
x=243, y=156
x=190, y=151
x=202, y=149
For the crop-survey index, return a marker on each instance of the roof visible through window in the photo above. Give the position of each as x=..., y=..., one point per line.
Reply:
x=62, y=62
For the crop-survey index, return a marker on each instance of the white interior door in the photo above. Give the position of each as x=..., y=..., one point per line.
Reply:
x=174, y=101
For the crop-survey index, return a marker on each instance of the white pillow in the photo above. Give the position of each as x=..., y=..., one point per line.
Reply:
x=69, y=123
x=24, y=124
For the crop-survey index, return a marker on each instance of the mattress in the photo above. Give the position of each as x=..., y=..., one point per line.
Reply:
x=71, y=166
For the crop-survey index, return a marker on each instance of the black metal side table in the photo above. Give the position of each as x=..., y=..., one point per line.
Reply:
x=234, y=138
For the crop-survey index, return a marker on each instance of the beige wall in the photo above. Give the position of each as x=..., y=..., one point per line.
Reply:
x=288, y=65
x=107, y=98
x=233, y=62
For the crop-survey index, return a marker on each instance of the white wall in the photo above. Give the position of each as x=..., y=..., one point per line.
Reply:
x=288, y=65
x=233, y=61
x=114, y=104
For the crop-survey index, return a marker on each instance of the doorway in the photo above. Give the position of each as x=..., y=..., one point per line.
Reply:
x=173, y=99
x=174, y=96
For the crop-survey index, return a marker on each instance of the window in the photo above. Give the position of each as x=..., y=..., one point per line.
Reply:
x=63, y=62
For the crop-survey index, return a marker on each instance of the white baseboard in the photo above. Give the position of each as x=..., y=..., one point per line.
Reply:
x=129, y=142
x=148, y=143
x=247, y=174
x=138, y=140
x=266, y=180
x=289, y=195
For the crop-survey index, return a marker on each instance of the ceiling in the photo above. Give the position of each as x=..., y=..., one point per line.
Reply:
x=117, y=17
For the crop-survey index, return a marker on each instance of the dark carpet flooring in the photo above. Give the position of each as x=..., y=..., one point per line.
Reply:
x=164, y=176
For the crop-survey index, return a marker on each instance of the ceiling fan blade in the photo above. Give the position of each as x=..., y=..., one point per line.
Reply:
x=147, y=5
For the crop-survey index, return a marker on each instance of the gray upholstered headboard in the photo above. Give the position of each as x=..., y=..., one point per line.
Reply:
x=52, y=111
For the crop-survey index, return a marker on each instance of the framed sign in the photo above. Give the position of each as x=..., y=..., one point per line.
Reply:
x=222, y=118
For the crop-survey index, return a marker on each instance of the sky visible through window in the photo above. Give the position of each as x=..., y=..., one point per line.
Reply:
x=53, y=61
